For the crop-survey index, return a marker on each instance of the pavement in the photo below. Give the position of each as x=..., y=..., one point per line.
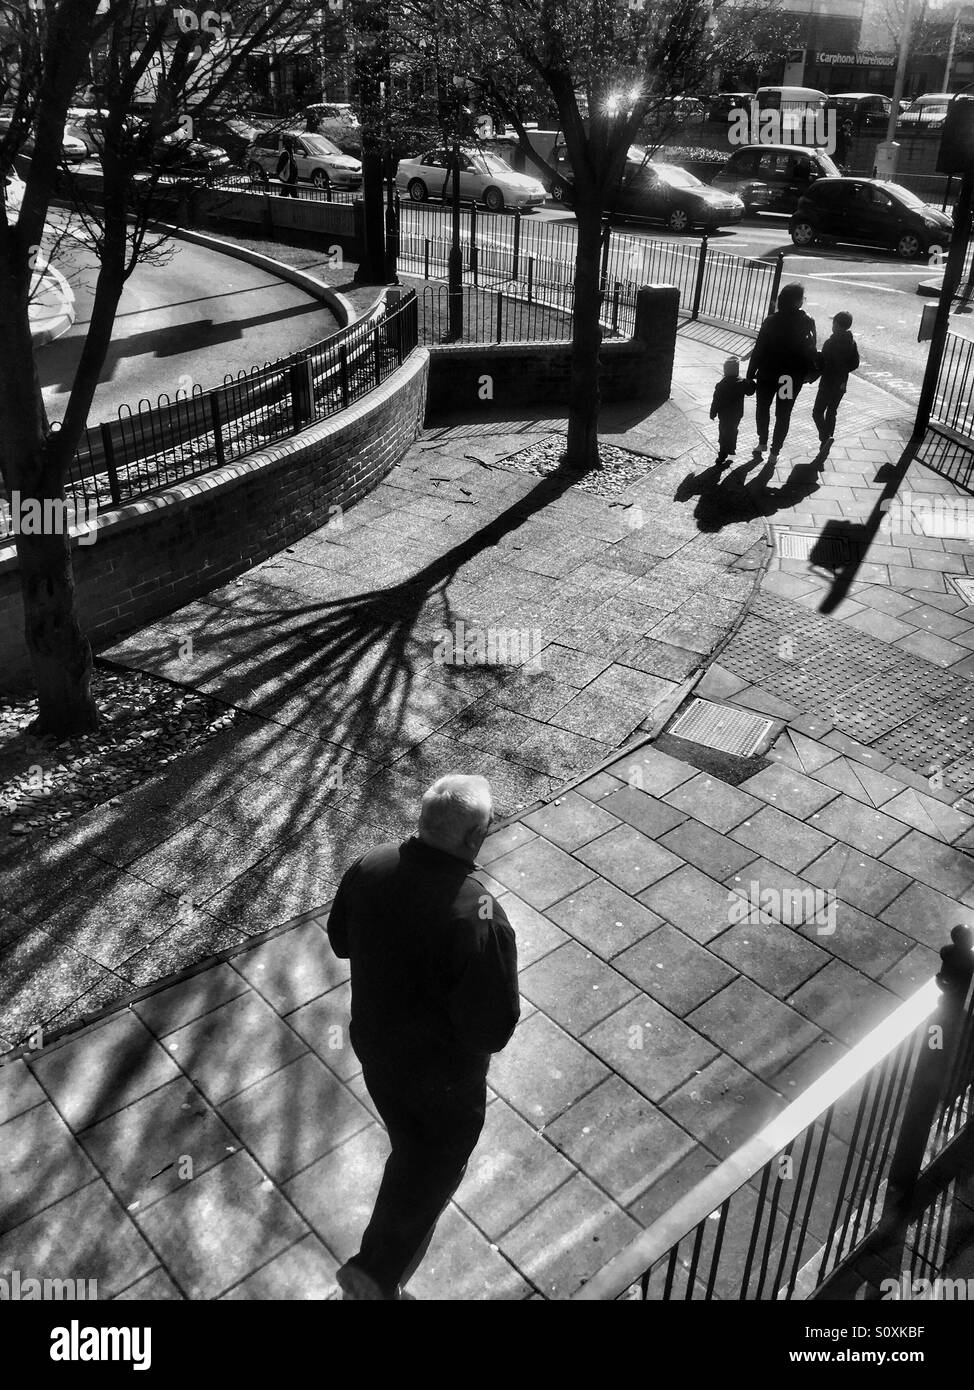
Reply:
x=662, y=1022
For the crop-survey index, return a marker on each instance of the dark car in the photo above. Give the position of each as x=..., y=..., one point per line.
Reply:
x=859, y=111
x=666, y=193
x=179, y=157
x=872, y=213
x=772, y=178
x=232, y=134
x=721, y=104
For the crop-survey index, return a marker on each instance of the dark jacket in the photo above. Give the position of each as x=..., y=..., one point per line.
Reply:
x=433, y=961
x=728, y=401
x=785, y=347
x=287, y=169
x=839, y=357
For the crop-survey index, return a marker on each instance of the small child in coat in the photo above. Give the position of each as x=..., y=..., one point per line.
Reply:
x=839, y=357
x=727, y=407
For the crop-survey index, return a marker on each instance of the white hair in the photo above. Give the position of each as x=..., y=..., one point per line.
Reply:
x=452, y=807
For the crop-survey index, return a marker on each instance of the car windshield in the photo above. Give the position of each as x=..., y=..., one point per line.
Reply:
x=905, y=195
x=320, y=144
x=680, y=178
x=492, y=163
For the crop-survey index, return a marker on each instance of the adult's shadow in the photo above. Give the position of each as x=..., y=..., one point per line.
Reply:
x=724, y=499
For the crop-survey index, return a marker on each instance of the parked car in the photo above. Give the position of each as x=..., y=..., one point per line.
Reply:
x=870, y=212
x=13, y=194
x=484, y=178
x=678, y=110
x=234, y=134
x=178, y=156
x=319, y=159
x=723, y=103
x=666, y=193
x=338, y=121
x=771, y=178
x=925, y=113
x=857, y=111
x=73, y=151
x=85, y=124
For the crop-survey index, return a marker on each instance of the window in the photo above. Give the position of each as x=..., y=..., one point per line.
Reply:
x=436, y=158
x=267, y=142
x=879, y=199
x=743, y=164
x=772, y=165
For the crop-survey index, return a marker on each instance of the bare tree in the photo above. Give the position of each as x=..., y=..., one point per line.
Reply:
x=150, y=66
x=606, y=66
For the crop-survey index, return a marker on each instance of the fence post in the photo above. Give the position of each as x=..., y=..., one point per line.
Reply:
x=516, y=248
x=426, y=258
x=108, y=444
x=474, y=250
x=297, y=404
x=615, y=306
x=530, y=278
x=500, y=316
x=309, y=387
x=701, y=268
x=343, y=374
x=217, y=424
x=377, y=353
x=604, y=272
x=779, y=265
x=935, y=1069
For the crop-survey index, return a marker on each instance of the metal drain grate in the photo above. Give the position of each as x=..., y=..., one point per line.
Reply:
x=828, y=551
x=964, y=586
x=723, y=727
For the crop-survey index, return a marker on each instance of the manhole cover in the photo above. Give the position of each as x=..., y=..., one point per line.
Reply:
x=964, y=586
x=723, y=727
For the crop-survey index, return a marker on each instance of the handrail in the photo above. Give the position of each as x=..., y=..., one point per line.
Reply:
x=626, y=1268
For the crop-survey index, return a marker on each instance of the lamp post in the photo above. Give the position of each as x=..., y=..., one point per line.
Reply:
x=455, y=258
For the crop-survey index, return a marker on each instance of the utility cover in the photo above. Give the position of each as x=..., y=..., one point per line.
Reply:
x=723, y=727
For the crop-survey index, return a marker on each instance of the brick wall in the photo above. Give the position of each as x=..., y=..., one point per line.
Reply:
x=637, y=369
x=152, y=555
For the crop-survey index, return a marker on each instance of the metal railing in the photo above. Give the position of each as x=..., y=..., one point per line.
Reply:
x=306, y=192
x=536, y=261
x=949, y=445
x=790, y=1212
x=150, y=447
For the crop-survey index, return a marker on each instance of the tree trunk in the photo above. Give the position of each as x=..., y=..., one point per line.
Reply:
x=59, y=650
x=582, y=451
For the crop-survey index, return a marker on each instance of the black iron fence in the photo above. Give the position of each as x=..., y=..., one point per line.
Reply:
x=833, y=1179
x=949, y=447
x=187, y=434
x=535, y=260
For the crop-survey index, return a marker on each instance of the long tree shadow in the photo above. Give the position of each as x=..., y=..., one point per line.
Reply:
x=252, y=828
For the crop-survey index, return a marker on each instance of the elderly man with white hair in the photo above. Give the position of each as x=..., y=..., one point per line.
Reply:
x=434, y=993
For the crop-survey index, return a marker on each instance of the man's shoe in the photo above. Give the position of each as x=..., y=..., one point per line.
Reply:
x=773, y=456
x=359, y=1287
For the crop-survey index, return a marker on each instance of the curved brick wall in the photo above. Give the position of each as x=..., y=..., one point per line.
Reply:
x=155, y=554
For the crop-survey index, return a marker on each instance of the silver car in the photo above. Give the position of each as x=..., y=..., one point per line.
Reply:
x=319, y=159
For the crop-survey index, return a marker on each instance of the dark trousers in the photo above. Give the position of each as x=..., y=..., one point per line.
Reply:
x=767, y=391
x=289, y=190
x=433, y=1132
x=825, y=409
x=727, y=427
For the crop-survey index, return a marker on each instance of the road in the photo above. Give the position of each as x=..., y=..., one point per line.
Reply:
x=876, y=288
x=190, y=320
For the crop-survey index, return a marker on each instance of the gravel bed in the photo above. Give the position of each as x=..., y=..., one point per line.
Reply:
x=146, y=723
x=620, y=467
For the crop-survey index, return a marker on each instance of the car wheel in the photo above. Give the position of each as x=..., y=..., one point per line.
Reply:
x=417, y=190
x=909, y=247
x=803, y=234
x=559, y=192
x=678, y=220
x=255, y=173
x=493, y=199
x=320, y=179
